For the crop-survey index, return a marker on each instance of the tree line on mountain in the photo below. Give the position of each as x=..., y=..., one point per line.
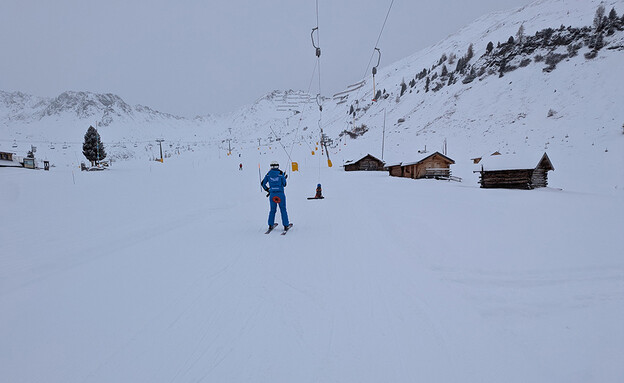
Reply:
x=516, y=53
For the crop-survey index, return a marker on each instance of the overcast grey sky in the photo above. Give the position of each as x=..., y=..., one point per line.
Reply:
x=195, y=57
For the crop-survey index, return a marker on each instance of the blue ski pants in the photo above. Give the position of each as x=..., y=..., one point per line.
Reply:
x=278, y=198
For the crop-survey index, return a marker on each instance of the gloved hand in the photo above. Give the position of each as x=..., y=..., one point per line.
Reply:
x=286, y=176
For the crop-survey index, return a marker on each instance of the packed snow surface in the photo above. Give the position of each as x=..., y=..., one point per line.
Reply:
x=160, y=272
x=150, y=272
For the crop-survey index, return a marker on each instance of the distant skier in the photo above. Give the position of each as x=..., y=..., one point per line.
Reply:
x=240, y=166
x=319, y=192
x=274, y=183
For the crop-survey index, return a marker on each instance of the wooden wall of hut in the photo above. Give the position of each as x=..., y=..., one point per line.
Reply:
x=396, y=171
x=507, y=179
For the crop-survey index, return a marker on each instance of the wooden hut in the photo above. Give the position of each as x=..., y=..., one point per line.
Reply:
x=368, y=162
x=8, y=159
x=436, y=165
x=513, y=172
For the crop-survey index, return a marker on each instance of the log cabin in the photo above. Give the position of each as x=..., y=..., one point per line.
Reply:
x=8, y=159
x=436, y=165
x=368, y=162
x=514, y=172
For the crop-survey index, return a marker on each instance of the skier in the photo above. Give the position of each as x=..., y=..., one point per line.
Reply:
x=276, y=181
x=319, y=192
x=240, y=166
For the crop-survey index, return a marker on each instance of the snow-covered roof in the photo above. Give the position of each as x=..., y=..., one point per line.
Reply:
x=424, y=158
x=348, y=162
x=514, y=161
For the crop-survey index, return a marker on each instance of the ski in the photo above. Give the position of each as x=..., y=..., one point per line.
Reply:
x=286, y=229
x=271, y=229
x=316, y=197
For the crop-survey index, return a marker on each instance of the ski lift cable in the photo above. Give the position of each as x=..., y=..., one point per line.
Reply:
x=316, y=64
x=379, y=38
x=302, y=112
x=282, y=145
x=318, y=95
x=376, y=49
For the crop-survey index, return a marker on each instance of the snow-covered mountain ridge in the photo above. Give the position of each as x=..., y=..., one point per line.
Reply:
x=104, y=108
x=27, y=120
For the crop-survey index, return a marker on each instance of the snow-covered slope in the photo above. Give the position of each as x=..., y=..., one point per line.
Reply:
x=555, y=88
x=525, y=109
x=160, y=272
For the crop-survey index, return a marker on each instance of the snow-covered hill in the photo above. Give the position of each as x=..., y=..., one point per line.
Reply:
x=547, y=82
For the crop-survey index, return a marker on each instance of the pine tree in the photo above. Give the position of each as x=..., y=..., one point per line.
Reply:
x=444, y=71
x=600, y=13
x=612, y=14
x=470, y=53
x=520, y=34
x=461, y=64
x=403, y=87
x=503, y=66
x=451, y=59
x=93, y=148
x=451, y=79
x=489, y=47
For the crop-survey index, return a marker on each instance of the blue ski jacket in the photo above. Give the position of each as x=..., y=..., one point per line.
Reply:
x=276, y=181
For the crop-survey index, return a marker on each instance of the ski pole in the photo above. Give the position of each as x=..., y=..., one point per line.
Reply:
x=260, y=177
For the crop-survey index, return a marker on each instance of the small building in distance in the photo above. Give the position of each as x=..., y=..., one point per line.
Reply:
x=368, y=163
x=514, y=172
x=436, y=165
x=8, y=159
x=30, y=163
